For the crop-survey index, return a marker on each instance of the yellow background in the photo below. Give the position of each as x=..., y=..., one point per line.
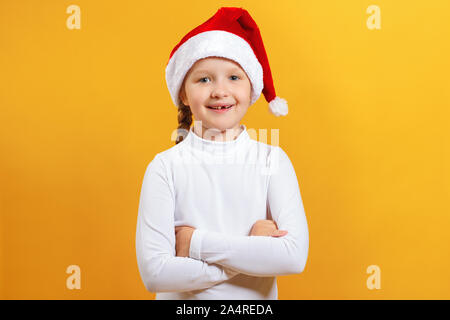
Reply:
x=84, y=111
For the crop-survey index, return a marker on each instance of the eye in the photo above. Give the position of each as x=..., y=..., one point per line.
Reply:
x=235, y=77
x=202, y=79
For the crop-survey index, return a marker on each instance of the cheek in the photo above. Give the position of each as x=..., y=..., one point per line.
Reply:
x=246, y=89
x=198, y=96
x=245, y=94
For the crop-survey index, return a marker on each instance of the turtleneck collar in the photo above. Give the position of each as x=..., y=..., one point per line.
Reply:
x=216, y=147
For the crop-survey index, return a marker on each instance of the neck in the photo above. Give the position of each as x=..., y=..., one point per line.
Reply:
x=215, y=134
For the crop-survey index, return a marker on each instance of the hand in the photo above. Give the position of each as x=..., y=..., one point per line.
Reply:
x=266, y=228
x=183, y=235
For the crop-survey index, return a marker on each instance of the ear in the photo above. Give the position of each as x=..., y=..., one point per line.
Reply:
x=182, y=95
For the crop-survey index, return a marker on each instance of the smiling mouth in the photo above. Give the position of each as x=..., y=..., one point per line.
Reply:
x=221, y=107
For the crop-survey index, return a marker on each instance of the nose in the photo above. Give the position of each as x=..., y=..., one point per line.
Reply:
x=219, y=90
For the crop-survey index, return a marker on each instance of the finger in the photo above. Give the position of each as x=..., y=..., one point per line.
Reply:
x=279, y=233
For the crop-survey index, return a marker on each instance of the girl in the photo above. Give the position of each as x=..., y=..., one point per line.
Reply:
x=211, y=205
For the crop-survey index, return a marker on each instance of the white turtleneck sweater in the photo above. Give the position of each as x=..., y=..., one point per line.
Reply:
x=220, y=188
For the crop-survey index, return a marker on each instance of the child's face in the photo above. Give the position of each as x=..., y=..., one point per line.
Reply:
x=217, y=81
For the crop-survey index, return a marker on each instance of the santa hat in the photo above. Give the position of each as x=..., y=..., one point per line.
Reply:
x=231, y=33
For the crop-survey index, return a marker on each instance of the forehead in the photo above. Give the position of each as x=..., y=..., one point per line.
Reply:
x=212, y=64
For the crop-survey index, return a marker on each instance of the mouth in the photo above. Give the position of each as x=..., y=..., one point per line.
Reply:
x=221, y=109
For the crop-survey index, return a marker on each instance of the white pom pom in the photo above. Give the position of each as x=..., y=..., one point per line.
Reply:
x=278, y=107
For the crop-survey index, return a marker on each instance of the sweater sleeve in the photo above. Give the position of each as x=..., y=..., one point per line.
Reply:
x=258, y=255
x=160, y=269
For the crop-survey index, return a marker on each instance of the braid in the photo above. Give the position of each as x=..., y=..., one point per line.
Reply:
x=184, y=121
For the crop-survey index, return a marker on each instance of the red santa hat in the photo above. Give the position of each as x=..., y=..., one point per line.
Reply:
x=231, y=33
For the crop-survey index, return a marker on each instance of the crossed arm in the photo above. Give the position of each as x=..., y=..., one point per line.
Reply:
x=183, y=235
x=215, y=257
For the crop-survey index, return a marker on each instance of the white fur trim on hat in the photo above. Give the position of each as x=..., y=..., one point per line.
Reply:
x=208, y=44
